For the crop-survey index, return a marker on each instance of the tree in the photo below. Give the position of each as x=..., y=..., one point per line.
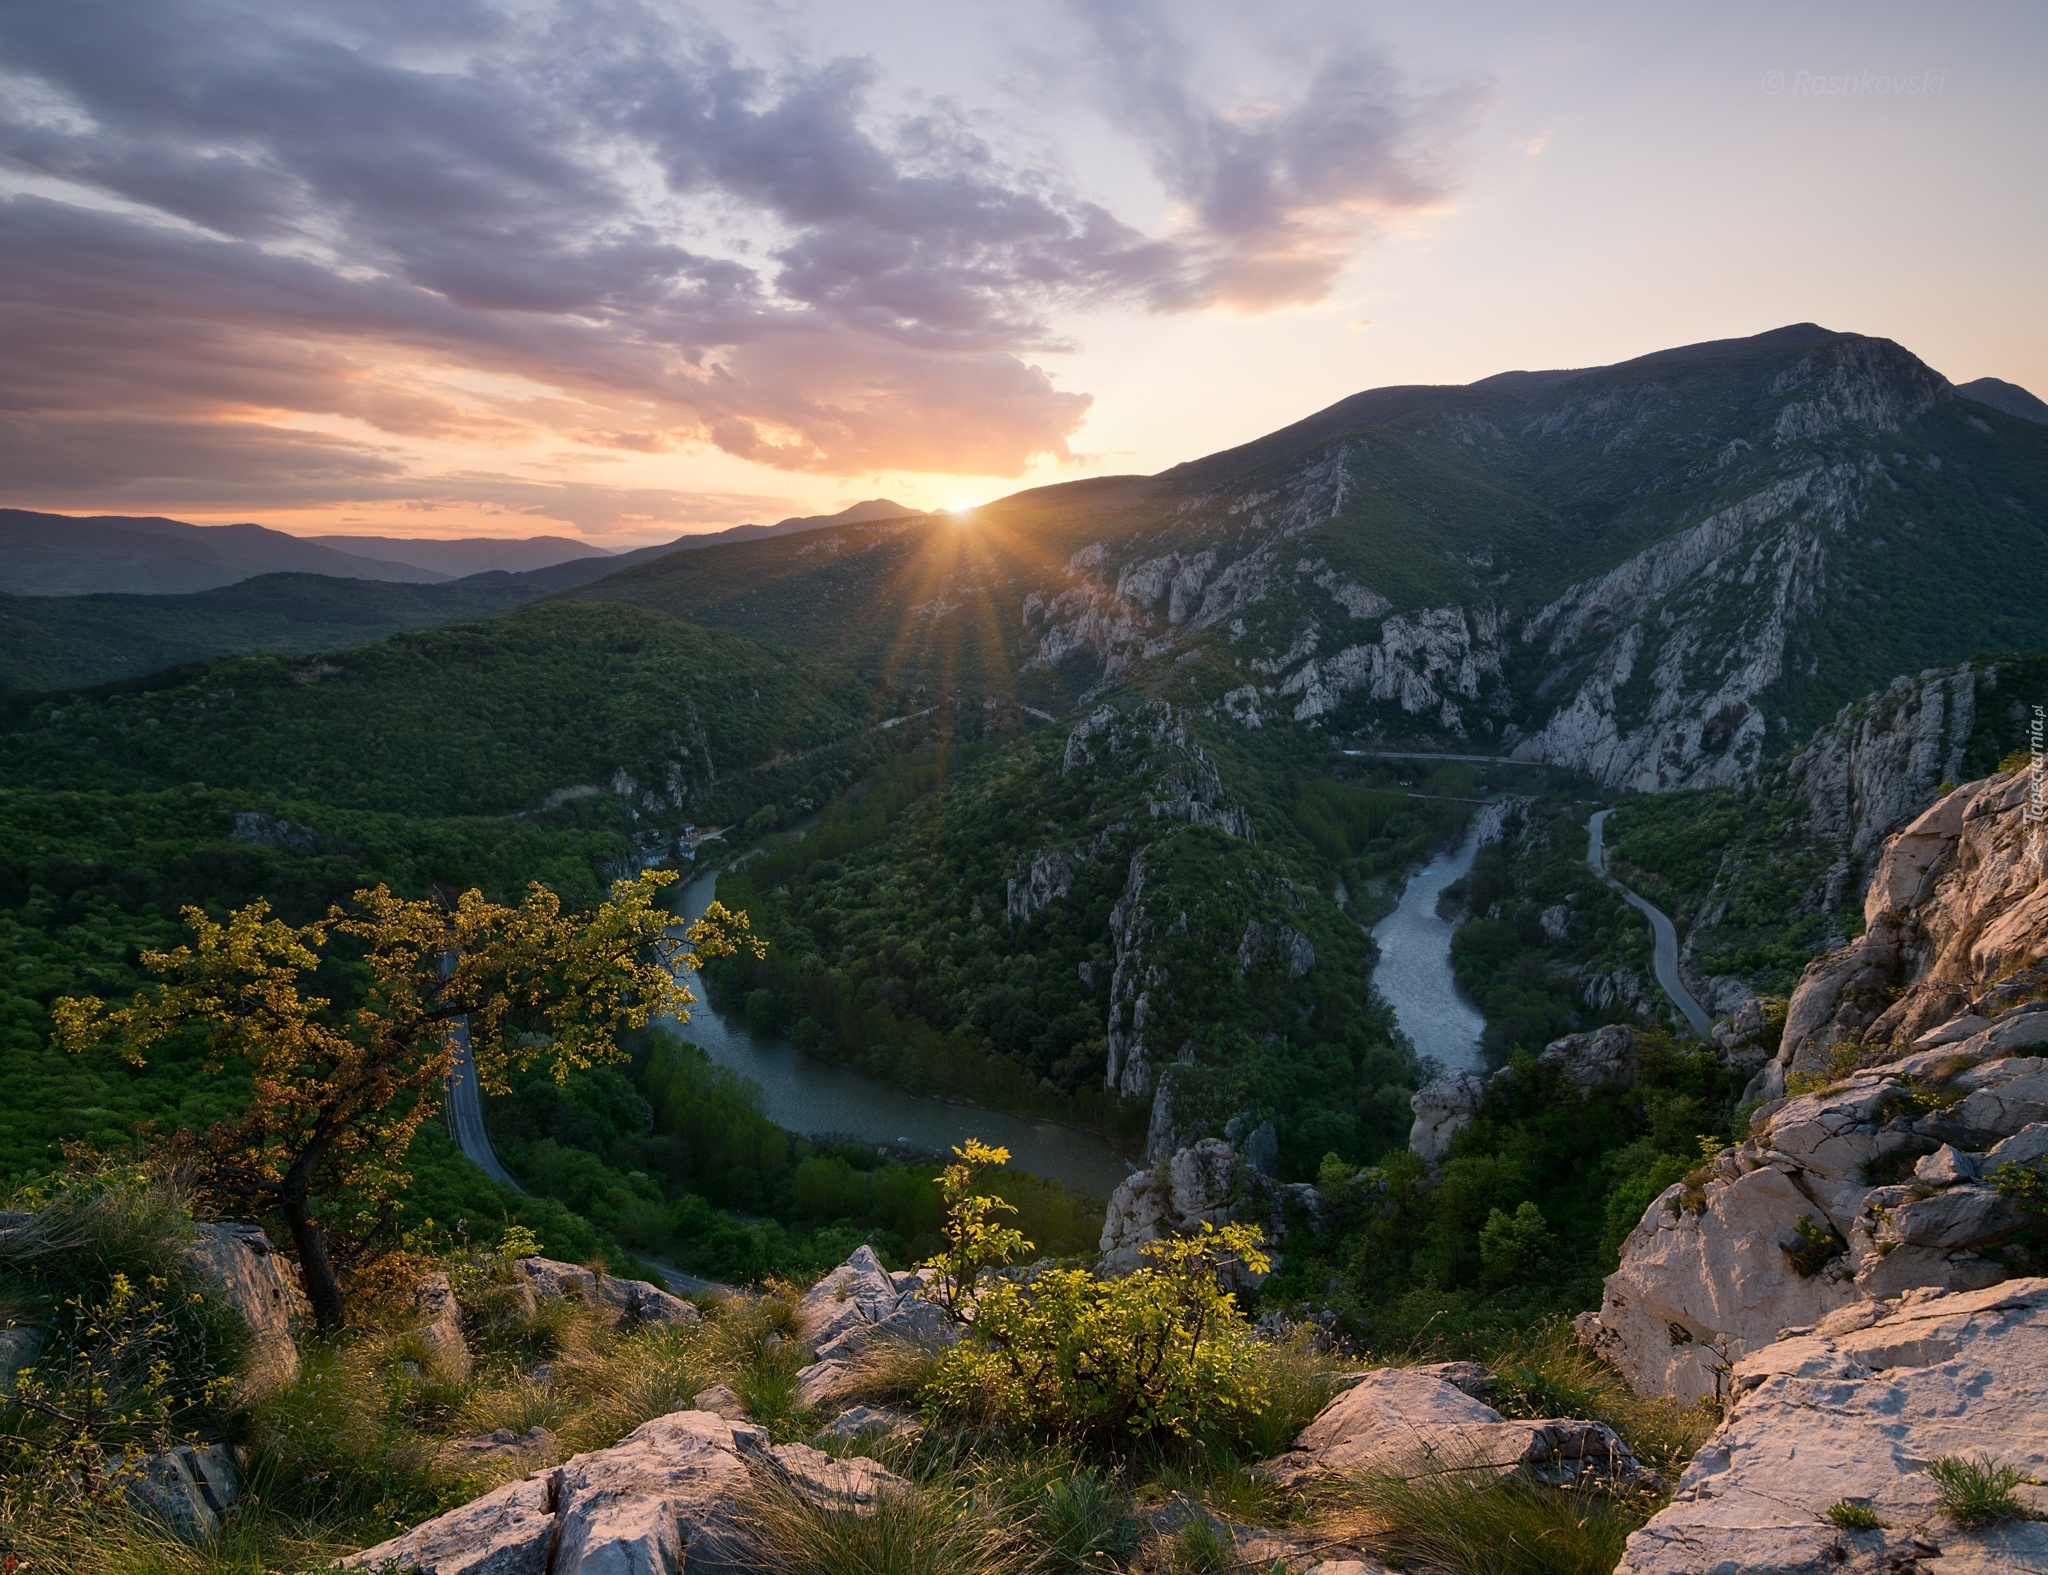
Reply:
x=337, y=1094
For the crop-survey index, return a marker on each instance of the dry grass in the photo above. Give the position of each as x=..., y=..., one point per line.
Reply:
x=1461, y=1523
x=931, y=1529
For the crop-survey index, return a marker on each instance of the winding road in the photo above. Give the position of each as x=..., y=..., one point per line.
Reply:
x=1665, y=958
x=465, y=1110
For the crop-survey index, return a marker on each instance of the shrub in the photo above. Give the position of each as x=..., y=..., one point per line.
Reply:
x=1817, y=1246
x=1165, y=1350
x=1976, y=1492
x=1848, y=1516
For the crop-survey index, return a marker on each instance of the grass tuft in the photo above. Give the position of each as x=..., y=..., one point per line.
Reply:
x=1847, y=1515
x=1976, y=1492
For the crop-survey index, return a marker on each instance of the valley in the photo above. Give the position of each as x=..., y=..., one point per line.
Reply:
x=1409, y=830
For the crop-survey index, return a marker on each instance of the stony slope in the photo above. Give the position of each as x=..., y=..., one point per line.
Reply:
x=1902, y=1138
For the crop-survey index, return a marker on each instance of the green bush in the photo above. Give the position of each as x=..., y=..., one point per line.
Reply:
x=1164, y=1351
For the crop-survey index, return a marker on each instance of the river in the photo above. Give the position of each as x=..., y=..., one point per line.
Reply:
x=801, y=1093
x=1414, y=971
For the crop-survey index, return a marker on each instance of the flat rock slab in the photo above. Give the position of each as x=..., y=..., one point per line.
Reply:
x=1399, y=1421
x=1856, y=1414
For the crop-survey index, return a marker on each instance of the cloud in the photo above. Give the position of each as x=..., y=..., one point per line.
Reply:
x=265, y=249
x=1275, y=194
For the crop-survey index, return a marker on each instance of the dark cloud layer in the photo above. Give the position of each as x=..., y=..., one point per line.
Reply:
x=592, y=222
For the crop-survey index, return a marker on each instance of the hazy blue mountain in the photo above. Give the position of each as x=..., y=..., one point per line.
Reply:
x=67, y=555
x=462, y=555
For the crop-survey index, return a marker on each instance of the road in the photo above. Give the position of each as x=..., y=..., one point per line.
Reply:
x=466, y=1125
x=1665, y=958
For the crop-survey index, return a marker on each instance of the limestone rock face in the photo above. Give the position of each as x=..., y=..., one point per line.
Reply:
x=1442, y=1109
x=239, y=1262
x=1943, y=1005
x=1854, y=1410
x=1405, y=1421
x=856, y=1305
x=1606, y=1055
x=1870, y=770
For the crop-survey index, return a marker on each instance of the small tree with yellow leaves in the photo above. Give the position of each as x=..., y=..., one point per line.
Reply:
x=337, y=1095
x=1162, y=1351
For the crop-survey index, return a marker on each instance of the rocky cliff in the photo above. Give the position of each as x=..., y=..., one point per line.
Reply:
x=1901, y=1145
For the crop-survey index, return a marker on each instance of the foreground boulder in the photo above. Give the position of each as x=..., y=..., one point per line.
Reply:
x=1852, y=1412
x=1913, y=1071
x=669, y=1497
x=188, y=1490
x=1417, y=1421
x=249, y=1274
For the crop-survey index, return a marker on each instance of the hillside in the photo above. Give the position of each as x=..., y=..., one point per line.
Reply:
x=490, y=718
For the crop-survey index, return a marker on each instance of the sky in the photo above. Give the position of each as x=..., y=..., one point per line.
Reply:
x=622, y=269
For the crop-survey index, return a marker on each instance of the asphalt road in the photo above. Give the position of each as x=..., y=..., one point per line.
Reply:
x=1665, y=959
x=466, y=1125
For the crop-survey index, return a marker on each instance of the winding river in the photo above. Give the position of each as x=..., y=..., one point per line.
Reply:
x=804, y=1094
x=1414, y=970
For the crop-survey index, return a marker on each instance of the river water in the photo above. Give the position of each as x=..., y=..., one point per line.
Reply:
x=1414, y=971
x=804, y=1094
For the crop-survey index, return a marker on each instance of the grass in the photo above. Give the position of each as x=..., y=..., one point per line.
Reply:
x=926, y=1529
x=1976, y=1492
x=1846, y=1515
x=1458, y=1526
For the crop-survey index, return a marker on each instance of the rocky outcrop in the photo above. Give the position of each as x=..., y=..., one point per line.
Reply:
x=441, y=1326
x=1851, y=1412
x=1154, y=746
x=1048, y=877
x=1430, y=1420
x=1203, y=1184
x=1605, y=1056
x=188, y=1490
x=1856, y=1191
x=857, y=1305
x=662, y=1495
x=1442, y=1110
x=631, y=1302
x=242, y=1267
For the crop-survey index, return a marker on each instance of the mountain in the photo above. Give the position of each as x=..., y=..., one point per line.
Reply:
x=1659, y=572
x=2009, y=397
x=855, y=514
x=66, y=555
x=465, y=555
